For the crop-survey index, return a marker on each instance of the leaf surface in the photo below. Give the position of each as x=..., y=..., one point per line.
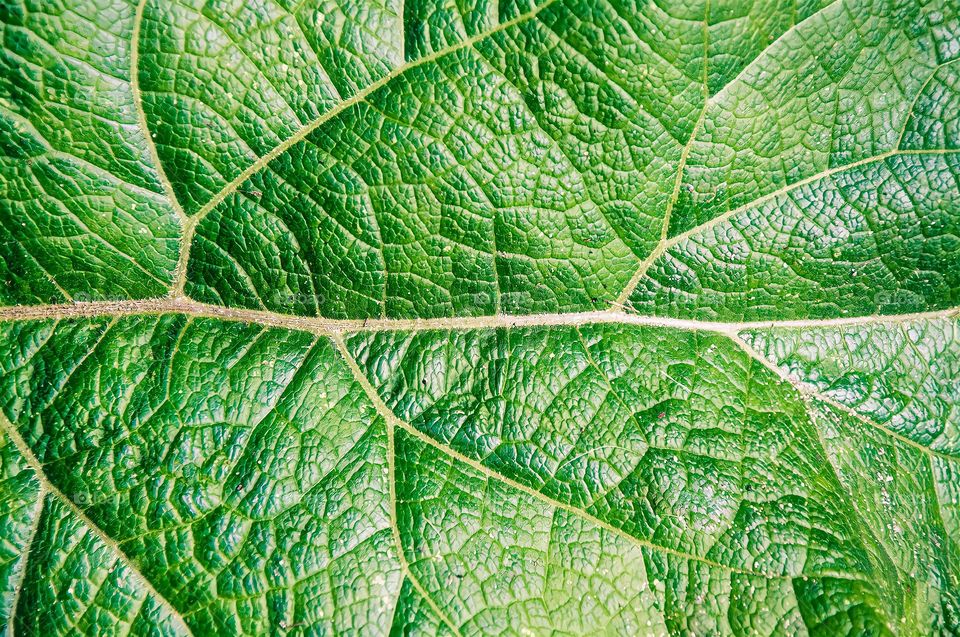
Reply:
x=480, y=318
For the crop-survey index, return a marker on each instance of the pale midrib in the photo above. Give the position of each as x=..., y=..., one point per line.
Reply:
x=181, y=305
x=47, y=486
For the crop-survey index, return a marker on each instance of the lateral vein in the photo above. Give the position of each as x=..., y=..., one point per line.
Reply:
x=809, y=393
x=189, y=224
x=358, y=97
x=47, y=486
x=21, y=571
x=384, y=410
x=141, y=114
x=395, y=528
x=667, y=243
x=641, y=270
x=392, y=473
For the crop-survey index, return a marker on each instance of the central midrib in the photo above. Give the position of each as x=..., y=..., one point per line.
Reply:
x=186, y=306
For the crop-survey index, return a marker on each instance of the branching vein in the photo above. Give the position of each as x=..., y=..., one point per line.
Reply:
x=51, y=489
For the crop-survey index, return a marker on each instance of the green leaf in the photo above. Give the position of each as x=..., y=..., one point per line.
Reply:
x=529, y=317
x=84, y=216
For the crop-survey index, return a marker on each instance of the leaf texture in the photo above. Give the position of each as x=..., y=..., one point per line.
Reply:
x=529, y=317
